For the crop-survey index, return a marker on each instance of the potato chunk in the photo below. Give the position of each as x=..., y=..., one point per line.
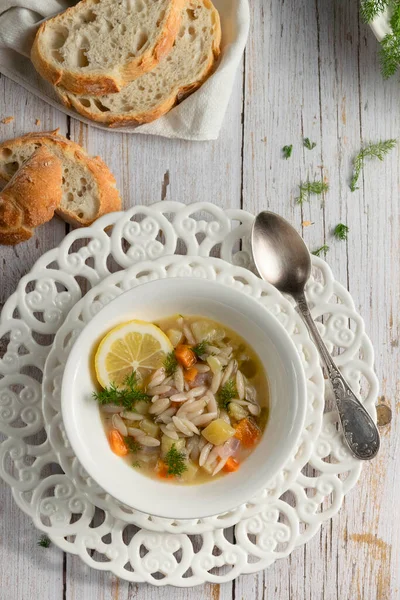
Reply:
x=218, y=432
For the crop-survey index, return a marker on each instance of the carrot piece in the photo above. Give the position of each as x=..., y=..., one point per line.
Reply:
x=247, y=432
x=117, y=443
x=185, y=356
x=191, y=374
x=162, y=469
x=231, y=465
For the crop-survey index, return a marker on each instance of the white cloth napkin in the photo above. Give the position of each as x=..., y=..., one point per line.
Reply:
x=199, y=117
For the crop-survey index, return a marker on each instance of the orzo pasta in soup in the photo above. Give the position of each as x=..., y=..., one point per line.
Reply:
x=184, y=399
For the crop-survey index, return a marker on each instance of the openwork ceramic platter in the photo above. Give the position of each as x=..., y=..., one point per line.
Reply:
x=66, y=287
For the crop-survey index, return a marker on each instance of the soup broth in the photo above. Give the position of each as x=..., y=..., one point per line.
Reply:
x=202, y=408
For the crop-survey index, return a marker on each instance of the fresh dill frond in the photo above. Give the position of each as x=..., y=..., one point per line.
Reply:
x=324, y=249
x=227, y=393
x=132, y=444
x=369, y=9
x=311, y=187
x=389, y=52
x=175, y=461
x=136, y=464
x=377, y=150
x=395, y=18
x=170, y=363
x=341, y=231
x=389, y=55
x=201, y=348
x=44, y=541
x=309, y=144
x=287, y=151
x=125, y=396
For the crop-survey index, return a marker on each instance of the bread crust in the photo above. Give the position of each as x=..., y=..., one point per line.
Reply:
x=126, y=120
x=109, y=199
x=99, y=84
x=31, y=197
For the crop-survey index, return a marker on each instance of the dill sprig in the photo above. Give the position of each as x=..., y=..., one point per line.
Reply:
x=136, y=464
x=309, y=144
x=340, y=232
x=132, y=444
x=44, y=541
x=369, y=9
x=389, y=55
x=377, y=150
x=170, y=363
x=395, y=18
x=311, y=187
x=324, y=249
x=125, y=396
x=175, y=461
x=390, y=46
x=287, y=151
x=227, y=393
x=200, y=349
x=389, y=52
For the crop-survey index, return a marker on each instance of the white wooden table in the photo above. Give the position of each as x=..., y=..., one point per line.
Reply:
x=310, y=69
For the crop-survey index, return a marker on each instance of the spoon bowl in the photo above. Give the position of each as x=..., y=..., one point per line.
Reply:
x=290, y=268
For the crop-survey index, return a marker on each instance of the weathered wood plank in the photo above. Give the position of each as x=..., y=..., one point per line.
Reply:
x=26, y=571
x=311, y=70
x=15, y=261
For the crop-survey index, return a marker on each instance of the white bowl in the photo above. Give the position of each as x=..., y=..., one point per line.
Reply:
x=162, y=298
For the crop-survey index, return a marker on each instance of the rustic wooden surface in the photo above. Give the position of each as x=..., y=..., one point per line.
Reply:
x=310, y=69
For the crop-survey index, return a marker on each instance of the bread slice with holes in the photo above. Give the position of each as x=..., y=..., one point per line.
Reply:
x=88, y=187
x=188, y=65
x=98, y=46
x=31, y=197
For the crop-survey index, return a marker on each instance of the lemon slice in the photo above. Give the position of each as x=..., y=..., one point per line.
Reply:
x=135, y=345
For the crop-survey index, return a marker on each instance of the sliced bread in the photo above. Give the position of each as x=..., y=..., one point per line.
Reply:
x=31, y=197
x=98, y=46
x=149, y=97
x=88, y=187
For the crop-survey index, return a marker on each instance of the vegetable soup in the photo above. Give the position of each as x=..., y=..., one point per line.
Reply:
x=184, y=399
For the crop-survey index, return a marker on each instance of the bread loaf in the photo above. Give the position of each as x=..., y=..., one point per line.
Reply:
x=98, y=46
x=88, y=187
x=31, y=196
x=188, y=65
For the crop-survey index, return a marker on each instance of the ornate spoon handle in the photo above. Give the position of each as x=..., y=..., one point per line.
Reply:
x=360, y=432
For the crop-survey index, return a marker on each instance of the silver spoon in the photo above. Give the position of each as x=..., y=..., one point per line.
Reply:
x=282, y=258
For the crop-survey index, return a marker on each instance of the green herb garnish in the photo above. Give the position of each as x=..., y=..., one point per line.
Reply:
x=378, y=150
x=369, y=9
x=125, y=396
x=324, y=249
x=170, y=363
x=44, y=541
x=136, y=464
x=132, y=444
x=200, y=349
x=308, y=144
x=341, y=231
x=175, y=461
x=389, y=53
x=287, y=151
x=311, y=187
x=227, y=393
